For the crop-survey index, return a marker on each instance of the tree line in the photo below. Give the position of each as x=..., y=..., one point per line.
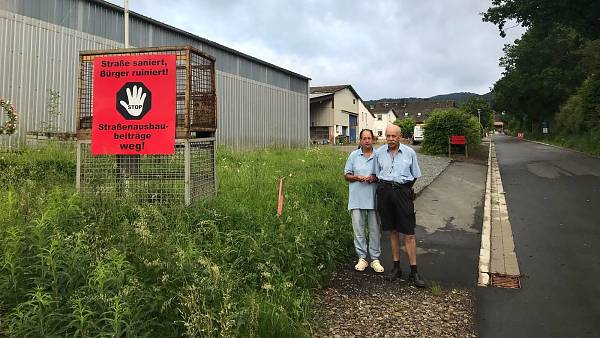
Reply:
x=552, y=73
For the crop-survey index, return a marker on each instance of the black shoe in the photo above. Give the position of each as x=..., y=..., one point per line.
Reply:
x=396, y=273
x=416, y=280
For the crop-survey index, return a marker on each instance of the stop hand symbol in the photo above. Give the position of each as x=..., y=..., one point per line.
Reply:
x=135, y=100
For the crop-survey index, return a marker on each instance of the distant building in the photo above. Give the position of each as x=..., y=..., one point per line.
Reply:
x=384, y=115
x=419, y=110
x=336, y=111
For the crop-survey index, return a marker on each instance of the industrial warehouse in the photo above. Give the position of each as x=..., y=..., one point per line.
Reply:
x=259, y=104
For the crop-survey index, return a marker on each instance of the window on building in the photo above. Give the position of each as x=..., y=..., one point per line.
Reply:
x=379, y=133
x=353, y=101
x=418, y=114
x=405, y=114
x=379, y=117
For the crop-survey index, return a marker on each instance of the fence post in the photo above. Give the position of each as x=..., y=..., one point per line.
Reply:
x=187, y=169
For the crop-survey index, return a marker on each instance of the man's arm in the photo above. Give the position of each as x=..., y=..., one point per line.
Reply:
x=354, y=178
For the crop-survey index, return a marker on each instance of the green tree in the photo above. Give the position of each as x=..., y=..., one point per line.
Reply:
x=580, y=15
x=407, y=125
x=441, y=124
x=480, y=108
x=542, y=70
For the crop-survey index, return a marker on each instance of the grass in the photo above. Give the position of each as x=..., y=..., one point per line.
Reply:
x=225, y=267
x=435, y=288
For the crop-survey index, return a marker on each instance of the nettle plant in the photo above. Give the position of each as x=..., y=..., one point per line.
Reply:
x=9, y=126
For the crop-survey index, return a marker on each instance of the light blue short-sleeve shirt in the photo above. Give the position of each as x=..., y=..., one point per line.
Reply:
x=401, y=168
x=362, y=194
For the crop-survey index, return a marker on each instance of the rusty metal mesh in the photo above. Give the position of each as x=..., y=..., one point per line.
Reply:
x=196, y=105
x=186, y=175
x=505, y=281
x=150, y=178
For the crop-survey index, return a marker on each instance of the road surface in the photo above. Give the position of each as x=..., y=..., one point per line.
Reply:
x=553, y=198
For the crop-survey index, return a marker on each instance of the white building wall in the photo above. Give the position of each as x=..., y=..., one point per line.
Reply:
x=387, y=118
x=365, y=118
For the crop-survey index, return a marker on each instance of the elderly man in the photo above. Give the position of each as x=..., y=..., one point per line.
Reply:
x=397, y=170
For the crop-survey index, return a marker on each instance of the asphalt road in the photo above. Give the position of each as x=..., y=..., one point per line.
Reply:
x=553, y=199
x=449, y=218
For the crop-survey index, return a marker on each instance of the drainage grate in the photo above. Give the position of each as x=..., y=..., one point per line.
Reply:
x=504, y=281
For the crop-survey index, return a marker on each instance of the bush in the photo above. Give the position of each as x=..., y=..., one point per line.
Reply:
x=407, y=126
x=444, y=123
x=570, y=117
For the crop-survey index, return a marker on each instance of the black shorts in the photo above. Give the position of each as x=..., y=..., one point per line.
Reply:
x=396, y=208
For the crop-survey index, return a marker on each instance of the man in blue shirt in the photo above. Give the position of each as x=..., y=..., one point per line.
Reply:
x=360, y=172
x=397, y=170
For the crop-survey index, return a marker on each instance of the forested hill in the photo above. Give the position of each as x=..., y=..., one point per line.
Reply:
x=461, y=97
x=458, y=97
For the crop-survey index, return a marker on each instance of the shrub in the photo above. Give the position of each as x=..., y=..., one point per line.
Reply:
x=444, y=123
x=407, y=126
x=570, y=117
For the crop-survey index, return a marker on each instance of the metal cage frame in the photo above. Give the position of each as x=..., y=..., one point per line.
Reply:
x=188, y=174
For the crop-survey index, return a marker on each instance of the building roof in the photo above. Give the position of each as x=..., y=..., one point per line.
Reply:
x=333, y=89
x=317, y=95
x=419, y=110
x=383, y=110
x=320, y=97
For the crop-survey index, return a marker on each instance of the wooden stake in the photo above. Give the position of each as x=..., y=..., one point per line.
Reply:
x=280, y=199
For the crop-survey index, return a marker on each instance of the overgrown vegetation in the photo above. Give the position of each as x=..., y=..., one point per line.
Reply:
x=481, y=109
x=442, y=124
x=224, y=267
x=551, y=73
x=407, y=126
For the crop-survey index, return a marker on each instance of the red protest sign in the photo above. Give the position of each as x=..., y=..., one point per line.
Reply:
x=454, y=139
x=134, y=104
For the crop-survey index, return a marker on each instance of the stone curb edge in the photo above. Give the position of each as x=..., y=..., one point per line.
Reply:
x=485, y=249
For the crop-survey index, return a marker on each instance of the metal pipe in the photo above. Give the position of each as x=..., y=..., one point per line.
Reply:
x=126, y=7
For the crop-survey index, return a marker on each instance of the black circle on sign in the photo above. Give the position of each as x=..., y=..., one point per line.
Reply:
x=133, y=110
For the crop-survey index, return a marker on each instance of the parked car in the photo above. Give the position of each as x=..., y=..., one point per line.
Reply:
x=418, y=134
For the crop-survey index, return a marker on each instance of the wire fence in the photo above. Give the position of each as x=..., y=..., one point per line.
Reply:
x=184, y=177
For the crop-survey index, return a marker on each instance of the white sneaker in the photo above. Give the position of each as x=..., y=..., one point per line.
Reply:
x=361, y=265
x=376, y=266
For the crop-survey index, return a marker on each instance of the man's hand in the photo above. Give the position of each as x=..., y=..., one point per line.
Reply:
x=136, y=101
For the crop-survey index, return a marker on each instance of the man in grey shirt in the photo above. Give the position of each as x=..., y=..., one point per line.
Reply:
x=397, y=170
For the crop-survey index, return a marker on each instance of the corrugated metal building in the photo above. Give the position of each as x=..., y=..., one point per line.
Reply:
x=259, y=104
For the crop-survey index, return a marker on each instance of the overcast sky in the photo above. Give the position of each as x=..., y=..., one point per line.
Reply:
x=383, y=48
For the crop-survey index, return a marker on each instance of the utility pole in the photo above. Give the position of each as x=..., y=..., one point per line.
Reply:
x=126, y=7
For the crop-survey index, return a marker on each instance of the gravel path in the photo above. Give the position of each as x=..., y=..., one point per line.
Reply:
x=431, y=167
x=364, y=304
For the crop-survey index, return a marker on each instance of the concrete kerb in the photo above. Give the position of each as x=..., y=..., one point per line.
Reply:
x=484, y=251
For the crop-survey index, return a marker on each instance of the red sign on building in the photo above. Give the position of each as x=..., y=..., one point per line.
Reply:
x=134, y=105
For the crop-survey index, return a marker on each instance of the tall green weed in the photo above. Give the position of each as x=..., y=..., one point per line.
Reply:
x=226, y=266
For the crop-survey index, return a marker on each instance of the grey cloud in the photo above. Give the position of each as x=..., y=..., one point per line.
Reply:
x=384, y=48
